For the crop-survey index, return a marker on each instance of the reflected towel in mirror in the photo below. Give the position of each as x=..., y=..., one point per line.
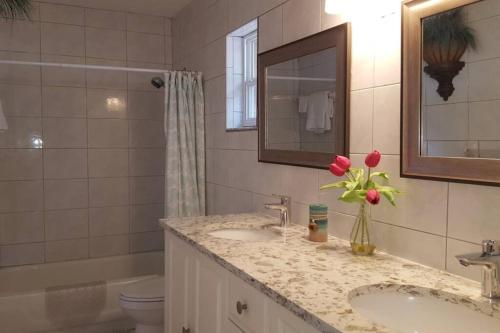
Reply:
x=320, y=110
x=3, y=121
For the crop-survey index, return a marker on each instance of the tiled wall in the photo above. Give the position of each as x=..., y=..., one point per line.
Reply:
x=96, y=187
x=433, y=221
x=467, y=124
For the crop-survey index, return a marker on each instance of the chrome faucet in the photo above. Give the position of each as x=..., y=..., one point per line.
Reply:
x=489, y=259
x=285, y=208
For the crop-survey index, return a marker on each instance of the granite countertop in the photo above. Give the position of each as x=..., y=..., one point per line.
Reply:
x=316, y=280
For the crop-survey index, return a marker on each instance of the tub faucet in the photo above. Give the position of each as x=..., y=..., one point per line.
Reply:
x=489, y=259
x=285, y=208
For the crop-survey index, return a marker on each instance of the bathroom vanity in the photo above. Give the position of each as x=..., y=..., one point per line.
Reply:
x=241, y=273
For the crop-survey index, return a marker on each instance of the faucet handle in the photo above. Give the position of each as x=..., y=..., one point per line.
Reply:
x=491, y=247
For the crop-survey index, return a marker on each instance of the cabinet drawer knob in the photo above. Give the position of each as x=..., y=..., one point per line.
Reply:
x=186, y=330
x=240, y=307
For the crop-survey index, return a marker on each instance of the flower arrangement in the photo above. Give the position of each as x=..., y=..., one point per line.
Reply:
x=360, y=189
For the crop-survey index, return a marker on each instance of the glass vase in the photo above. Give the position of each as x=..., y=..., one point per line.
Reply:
x=361, y=237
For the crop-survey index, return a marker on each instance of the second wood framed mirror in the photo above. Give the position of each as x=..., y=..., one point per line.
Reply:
x=303, y=100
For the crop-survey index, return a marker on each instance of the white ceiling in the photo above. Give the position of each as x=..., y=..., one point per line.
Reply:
x=168, y=8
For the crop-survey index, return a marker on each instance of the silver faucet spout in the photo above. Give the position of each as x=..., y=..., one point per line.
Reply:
x=284, y=207
x=489, y=259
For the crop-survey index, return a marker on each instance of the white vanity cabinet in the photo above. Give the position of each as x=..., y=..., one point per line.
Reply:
x=203, y=297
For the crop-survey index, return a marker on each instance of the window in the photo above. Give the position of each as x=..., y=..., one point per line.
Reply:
x=250, y=79
x=241, y=77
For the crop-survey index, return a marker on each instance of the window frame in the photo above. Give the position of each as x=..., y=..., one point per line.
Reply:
x=250, y=52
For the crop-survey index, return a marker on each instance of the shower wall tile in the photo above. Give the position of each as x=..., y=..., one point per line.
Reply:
x=108, y=192
x=145, y=23
x=65, y=163
x=64, y=133
x=65, y=102
x=147, y=162
x=22, y=254
x=61, y=14
x=20, y=196
x=21, y=36
x=109, y=221
x=105, y=43
x=62, y=39
x=109, y=246
x=106, y=103
x=108, y=133
x=66, y=224
x=97, y=78
x=147, y=241
x=146, y=190
x=145, y=47
x=66, y=194
x=145, y=217
x=19, y=74
x=67, y=77
x=22, y=132
x=108, y=163
x=21, y=228
x=65, y=250
x=146, y=134
x=105, y=19
x=146, y=104
x=20, y=164
x=20, y=100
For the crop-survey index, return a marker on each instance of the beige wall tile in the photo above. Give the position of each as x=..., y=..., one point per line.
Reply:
x=18, y=100
x=105, y=43
x=23, y=132
x=105, y=19
x=484, y=118
x=109, y=246
x=145, y=47
x=20, y=164
x=65, y=163
x=19, y=74
x=146, y=104
x=147, y=190
x=146, y=134
x=64, y=133
x=362, y=56
x=66, y=194
x=65, y=250
x=484, y=78
x=169, y=56
x=145, y=23
x=147, y=241
x=62, y=39
x=106, y=103
x=301, y=18
x=107, y=133
x=108, y=192
x=271, y=29
x=61, y=14
x=145, y=217
x=168, y=27
x=110, y=79
x=21, y=228
x=22, y=36
x=329, y=20
x=215, y=95
x=213, y=63
x=67, y=77
x=485, y=30
x=386, y=119
x=66, y=224
x=63, y=102
x=108, y=163
x=388, y=50
x=18, y=196
x=109, y=221
x=22, y=254
x=361, y=132
x=147, y=162
x=142, y=81
x=301, y=184
x=447, y=122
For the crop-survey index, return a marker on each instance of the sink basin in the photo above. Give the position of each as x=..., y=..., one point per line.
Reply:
x=408, y=309
x=249, y=235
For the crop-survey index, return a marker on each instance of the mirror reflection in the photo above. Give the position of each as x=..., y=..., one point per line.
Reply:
x=301, y=103
x=460, y=99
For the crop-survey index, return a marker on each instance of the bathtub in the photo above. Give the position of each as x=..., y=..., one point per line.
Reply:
x=72, y=297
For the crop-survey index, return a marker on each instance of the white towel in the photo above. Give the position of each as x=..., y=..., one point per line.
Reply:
x=319, y=112
x=3, y=122
x=303, y=104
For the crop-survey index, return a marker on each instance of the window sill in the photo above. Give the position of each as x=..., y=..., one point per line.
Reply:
x=241, y=129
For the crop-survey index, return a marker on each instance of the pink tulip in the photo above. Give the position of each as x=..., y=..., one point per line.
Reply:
x=372, y=159
x=337, y=170
x=373, y=197
x=343, y=162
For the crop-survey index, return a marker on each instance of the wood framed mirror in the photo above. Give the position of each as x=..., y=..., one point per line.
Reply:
x=450, y=108
x=303, y=100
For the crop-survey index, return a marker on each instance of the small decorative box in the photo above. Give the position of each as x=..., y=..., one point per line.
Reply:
x=318, y=223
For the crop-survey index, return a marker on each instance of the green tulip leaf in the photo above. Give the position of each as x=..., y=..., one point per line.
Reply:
x=342, y=184
x=383, y=175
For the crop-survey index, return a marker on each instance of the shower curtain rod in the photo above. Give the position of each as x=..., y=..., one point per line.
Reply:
x=110, y=68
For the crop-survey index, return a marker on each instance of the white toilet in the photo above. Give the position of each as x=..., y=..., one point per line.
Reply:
x=143, y=302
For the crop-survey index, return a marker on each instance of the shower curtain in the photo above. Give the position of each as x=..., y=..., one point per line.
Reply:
x=185, y=139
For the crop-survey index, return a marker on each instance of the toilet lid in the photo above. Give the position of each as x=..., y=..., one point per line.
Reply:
x=146, y=290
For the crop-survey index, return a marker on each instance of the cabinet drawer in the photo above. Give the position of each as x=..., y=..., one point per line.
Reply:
x=246, y=306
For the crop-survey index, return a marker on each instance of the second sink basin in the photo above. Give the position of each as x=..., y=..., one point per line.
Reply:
x=249, y=235
x=409, y=309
